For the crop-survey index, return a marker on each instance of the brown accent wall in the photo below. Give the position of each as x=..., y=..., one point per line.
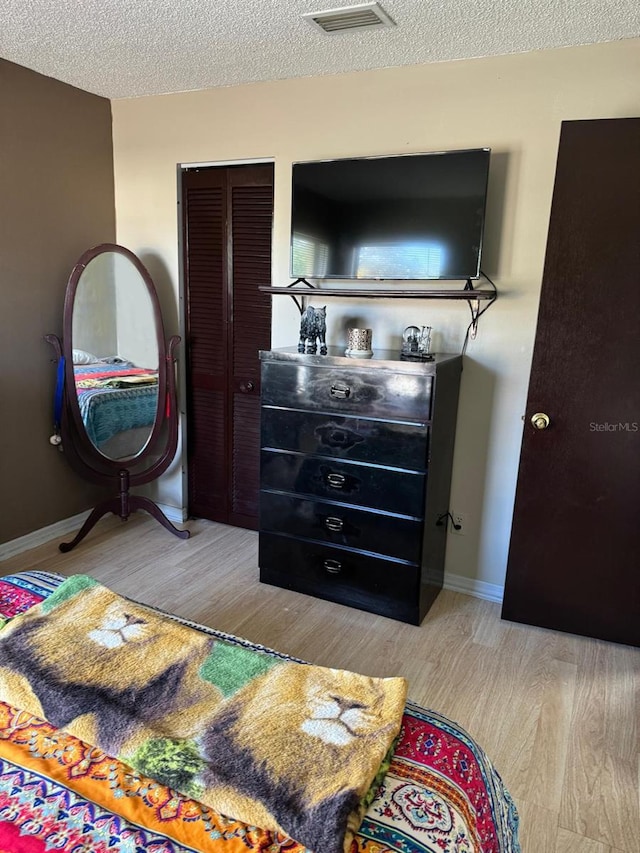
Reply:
x=56, y=200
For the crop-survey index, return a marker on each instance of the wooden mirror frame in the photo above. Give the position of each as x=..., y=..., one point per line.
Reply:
x=157, y=453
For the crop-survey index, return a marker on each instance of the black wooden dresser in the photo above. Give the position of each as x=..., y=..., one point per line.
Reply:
x=355, y=477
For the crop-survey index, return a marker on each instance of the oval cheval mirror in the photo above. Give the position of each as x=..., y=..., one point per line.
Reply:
x=118, y=417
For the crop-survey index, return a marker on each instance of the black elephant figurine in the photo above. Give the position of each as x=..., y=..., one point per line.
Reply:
x=313, y=327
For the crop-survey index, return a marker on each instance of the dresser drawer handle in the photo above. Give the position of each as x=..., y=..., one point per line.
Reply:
x=340, y=392
x=334, y=567
x=334, y=524
x=336, y=481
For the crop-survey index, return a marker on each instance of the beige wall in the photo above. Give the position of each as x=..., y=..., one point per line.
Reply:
x=513, y=104
x=56, y=200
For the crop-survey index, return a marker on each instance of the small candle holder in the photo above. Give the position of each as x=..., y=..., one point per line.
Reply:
x=359, y=343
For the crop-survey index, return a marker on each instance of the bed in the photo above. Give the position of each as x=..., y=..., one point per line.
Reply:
x=118, y=403
x=439, y=792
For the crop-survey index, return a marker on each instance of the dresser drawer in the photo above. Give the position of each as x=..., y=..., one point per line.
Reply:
x=342, y=525
x=347, y=482
x=357, y=391
x=358, y=580
x=402, y=445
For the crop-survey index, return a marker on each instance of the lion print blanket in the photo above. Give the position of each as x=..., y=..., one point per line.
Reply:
x=277, y=744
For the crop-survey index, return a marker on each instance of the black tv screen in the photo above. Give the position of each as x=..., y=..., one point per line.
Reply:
x=408, y=217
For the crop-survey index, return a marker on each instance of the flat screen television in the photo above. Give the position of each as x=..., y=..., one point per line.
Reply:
x=407, y=217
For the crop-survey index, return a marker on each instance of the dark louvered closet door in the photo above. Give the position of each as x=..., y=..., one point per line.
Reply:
x=227, y=220
x=251, y=214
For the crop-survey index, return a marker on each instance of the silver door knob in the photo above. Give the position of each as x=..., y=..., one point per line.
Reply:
x=540, y=420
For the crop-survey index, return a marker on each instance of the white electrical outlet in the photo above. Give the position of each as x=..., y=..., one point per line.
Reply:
x=457, y=519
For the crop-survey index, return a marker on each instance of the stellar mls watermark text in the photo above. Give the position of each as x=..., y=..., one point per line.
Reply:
x=615, y=427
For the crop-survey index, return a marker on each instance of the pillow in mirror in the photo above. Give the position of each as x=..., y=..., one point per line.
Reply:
x=81, y=356
x=114, y=359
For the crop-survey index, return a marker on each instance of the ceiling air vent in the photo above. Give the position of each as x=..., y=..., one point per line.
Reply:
x=363, y=16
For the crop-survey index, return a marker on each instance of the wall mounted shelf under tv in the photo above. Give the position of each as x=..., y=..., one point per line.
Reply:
x=473, y=296
x=383, y=292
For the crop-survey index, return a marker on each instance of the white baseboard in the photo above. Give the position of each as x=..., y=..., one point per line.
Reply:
x=45, y=534
x=175, y=514
x=476, y=588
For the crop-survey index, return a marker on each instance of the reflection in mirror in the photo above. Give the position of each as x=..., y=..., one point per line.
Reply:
x=115, y=355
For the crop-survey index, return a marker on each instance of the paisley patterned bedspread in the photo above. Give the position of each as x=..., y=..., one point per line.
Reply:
x=440, y=795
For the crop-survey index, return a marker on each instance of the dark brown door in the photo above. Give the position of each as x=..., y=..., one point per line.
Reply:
x=574, y=560
x=227, y=217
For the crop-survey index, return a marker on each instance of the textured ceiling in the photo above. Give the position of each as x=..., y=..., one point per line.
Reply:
x=128, y=48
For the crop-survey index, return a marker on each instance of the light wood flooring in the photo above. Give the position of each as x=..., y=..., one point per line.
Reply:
x=558, y=714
